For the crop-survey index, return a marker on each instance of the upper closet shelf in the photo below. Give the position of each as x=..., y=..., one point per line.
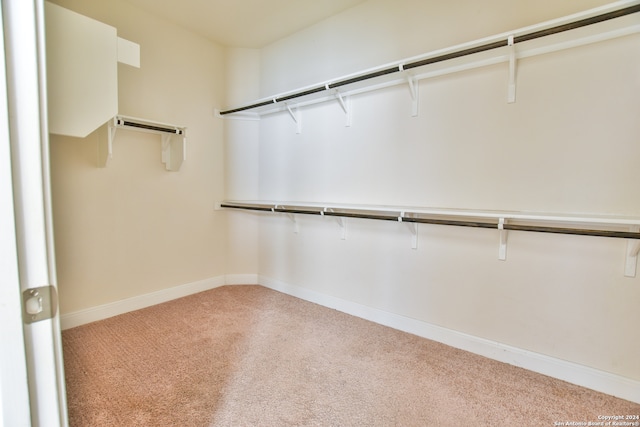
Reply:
x=617, y=19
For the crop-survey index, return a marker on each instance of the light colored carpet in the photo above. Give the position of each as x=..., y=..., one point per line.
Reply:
x=250, y=356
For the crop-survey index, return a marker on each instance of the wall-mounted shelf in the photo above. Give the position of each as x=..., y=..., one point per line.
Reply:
x=503, y=221
x=603, y=23
x=174, y=139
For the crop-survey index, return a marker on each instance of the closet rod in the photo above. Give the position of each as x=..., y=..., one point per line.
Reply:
x=526, y=37
x=531, y=228
x=435, y=221
x=125, y=122
x=457, y=54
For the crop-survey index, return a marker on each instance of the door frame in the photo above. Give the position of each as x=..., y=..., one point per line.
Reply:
x=25, y=176
x=14, y=391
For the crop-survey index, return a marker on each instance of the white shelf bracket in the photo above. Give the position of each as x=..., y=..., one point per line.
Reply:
x=296, y=118
x=291, y=216
x=174, y=151
x=415, y=95
x=345, y=103
x=106, y=136
x=511, y=91
x=296, y=227
x=413, y=228
x=342, y=222
x=502, y=249
x=633, y=248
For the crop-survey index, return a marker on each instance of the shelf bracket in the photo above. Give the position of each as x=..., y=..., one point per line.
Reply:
x=413, y=228
x=296, y=118
x=106, y=136
x=511, y=91
x=633, y=248
x=345, y=103
x=502, y=249
x=415, y=95
x=291, y=216
x=296, y=228
x=342, y=222
x=174, y=151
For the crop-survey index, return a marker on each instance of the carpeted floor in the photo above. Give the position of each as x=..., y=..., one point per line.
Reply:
x=250, y=356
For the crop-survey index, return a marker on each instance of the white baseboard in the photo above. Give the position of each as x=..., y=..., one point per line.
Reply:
x=241, y=279
x=105, y=311
x=574, y=373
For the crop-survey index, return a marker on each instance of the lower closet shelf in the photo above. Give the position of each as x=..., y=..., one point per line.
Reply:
x=597, y=226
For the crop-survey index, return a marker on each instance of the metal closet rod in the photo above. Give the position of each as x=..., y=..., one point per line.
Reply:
x=436, y=221
x=457, y=54
x=125, y=122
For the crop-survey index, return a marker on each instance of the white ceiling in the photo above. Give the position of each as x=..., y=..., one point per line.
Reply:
x=245, y=23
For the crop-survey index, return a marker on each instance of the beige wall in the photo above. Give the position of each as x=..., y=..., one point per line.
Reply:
x=134, y=228
x=241, y=159
x=568, y=145
x=380, y=31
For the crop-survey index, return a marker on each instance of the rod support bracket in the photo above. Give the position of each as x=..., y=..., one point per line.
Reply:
x=502, y=248
x=296, y=116
x=633, y=248
x=106, y=136
x=414, y=89
x=511, y=90
x=342, y=222
x=291, y=216
x=174, y=151
x=413, y=229
x=345, y=103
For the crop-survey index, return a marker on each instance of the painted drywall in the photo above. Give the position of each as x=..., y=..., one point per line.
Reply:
x=134, y=228
x=568, y=145
x=242, y=160
x=377, y=32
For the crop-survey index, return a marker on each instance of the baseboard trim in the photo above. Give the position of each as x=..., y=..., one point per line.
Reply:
x=574, y=373
x=81, y=317
x=241, y=279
